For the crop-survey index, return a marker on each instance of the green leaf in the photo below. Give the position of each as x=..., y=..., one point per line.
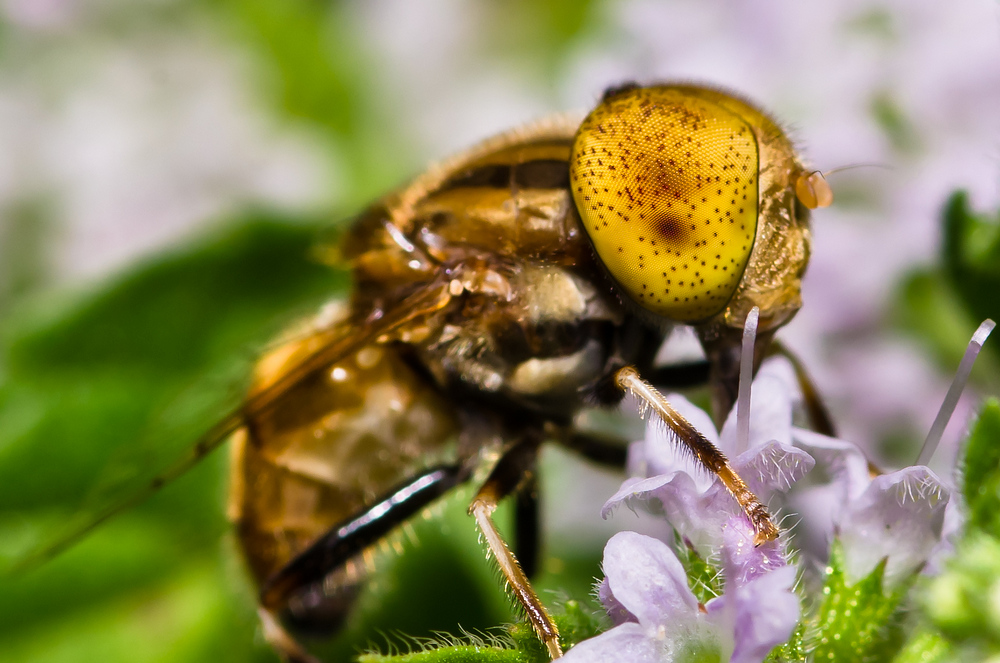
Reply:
x=961, y=602
x=123, y=380
x=184, y=616
x=971, y=257
x=926, y=646
x=892, y=119
x=928, y=306
x=542, y=37
x=981, y=471
x=793, y=651
x=452, y=654
x=944, y=304
x=110, y=381
x=313, y=68
x=576, y=622
x=704, y=578
x=856, y=622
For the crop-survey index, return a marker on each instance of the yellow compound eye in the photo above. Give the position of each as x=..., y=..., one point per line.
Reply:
x=665, y=182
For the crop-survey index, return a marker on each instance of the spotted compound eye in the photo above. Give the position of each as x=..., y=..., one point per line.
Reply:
x=666, y=186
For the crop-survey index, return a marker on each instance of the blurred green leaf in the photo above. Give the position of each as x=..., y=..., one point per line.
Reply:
x=960, y=602
x=124, y=377
x=925, y=646
x=895, y=124
x=981, y=471
x=541, y=37
x=185, y=617
x=313, y=69
x=25, y=229
x=971, y=256
x=144, y=365
x=927, y=306
x=943, y=305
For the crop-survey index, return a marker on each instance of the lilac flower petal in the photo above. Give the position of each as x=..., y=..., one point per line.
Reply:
x=954, y=521
x=697, y=516
x=772, y=466
x=770, y=408
x=616, y=611
x=638, y=462
x=626, y=643
x=742, y=562
x=779, y=368
x=637, y=490
x=843, y=460
x=648, y=580
x=899, y=516
x=822, y=506
x=817, y=507
x=767, y=611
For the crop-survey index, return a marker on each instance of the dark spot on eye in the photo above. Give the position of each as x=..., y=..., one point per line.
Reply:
x=670, y=228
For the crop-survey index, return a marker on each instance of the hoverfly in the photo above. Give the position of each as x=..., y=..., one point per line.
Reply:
x=496, y=296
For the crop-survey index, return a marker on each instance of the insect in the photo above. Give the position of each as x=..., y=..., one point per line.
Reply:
x=495, y=296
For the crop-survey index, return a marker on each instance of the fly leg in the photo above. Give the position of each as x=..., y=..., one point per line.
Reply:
x=347, y=539
x=281, y=641
x=526, y=526
x=507, y=476
x=627, y=379
x=681, y=376
x=602, y=449
x=301, y=579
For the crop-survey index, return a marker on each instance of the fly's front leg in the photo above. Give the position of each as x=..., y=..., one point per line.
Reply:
x=628, y=379
x=506, y=477
x=303, y=577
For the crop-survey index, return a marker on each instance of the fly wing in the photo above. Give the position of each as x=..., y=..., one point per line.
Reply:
x=328, y=345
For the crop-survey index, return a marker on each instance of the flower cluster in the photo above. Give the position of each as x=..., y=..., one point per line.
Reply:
x=884, y=524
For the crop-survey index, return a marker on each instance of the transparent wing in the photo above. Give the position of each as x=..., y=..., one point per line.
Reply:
x=330, y=345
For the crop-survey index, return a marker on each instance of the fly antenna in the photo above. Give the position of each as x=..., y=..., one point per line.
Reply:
x=840, y=169
x=812, y=189
x=955, y=391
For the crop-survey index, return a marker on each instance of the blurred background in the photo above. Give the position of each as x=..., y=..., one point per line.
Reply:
x=165, y=166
